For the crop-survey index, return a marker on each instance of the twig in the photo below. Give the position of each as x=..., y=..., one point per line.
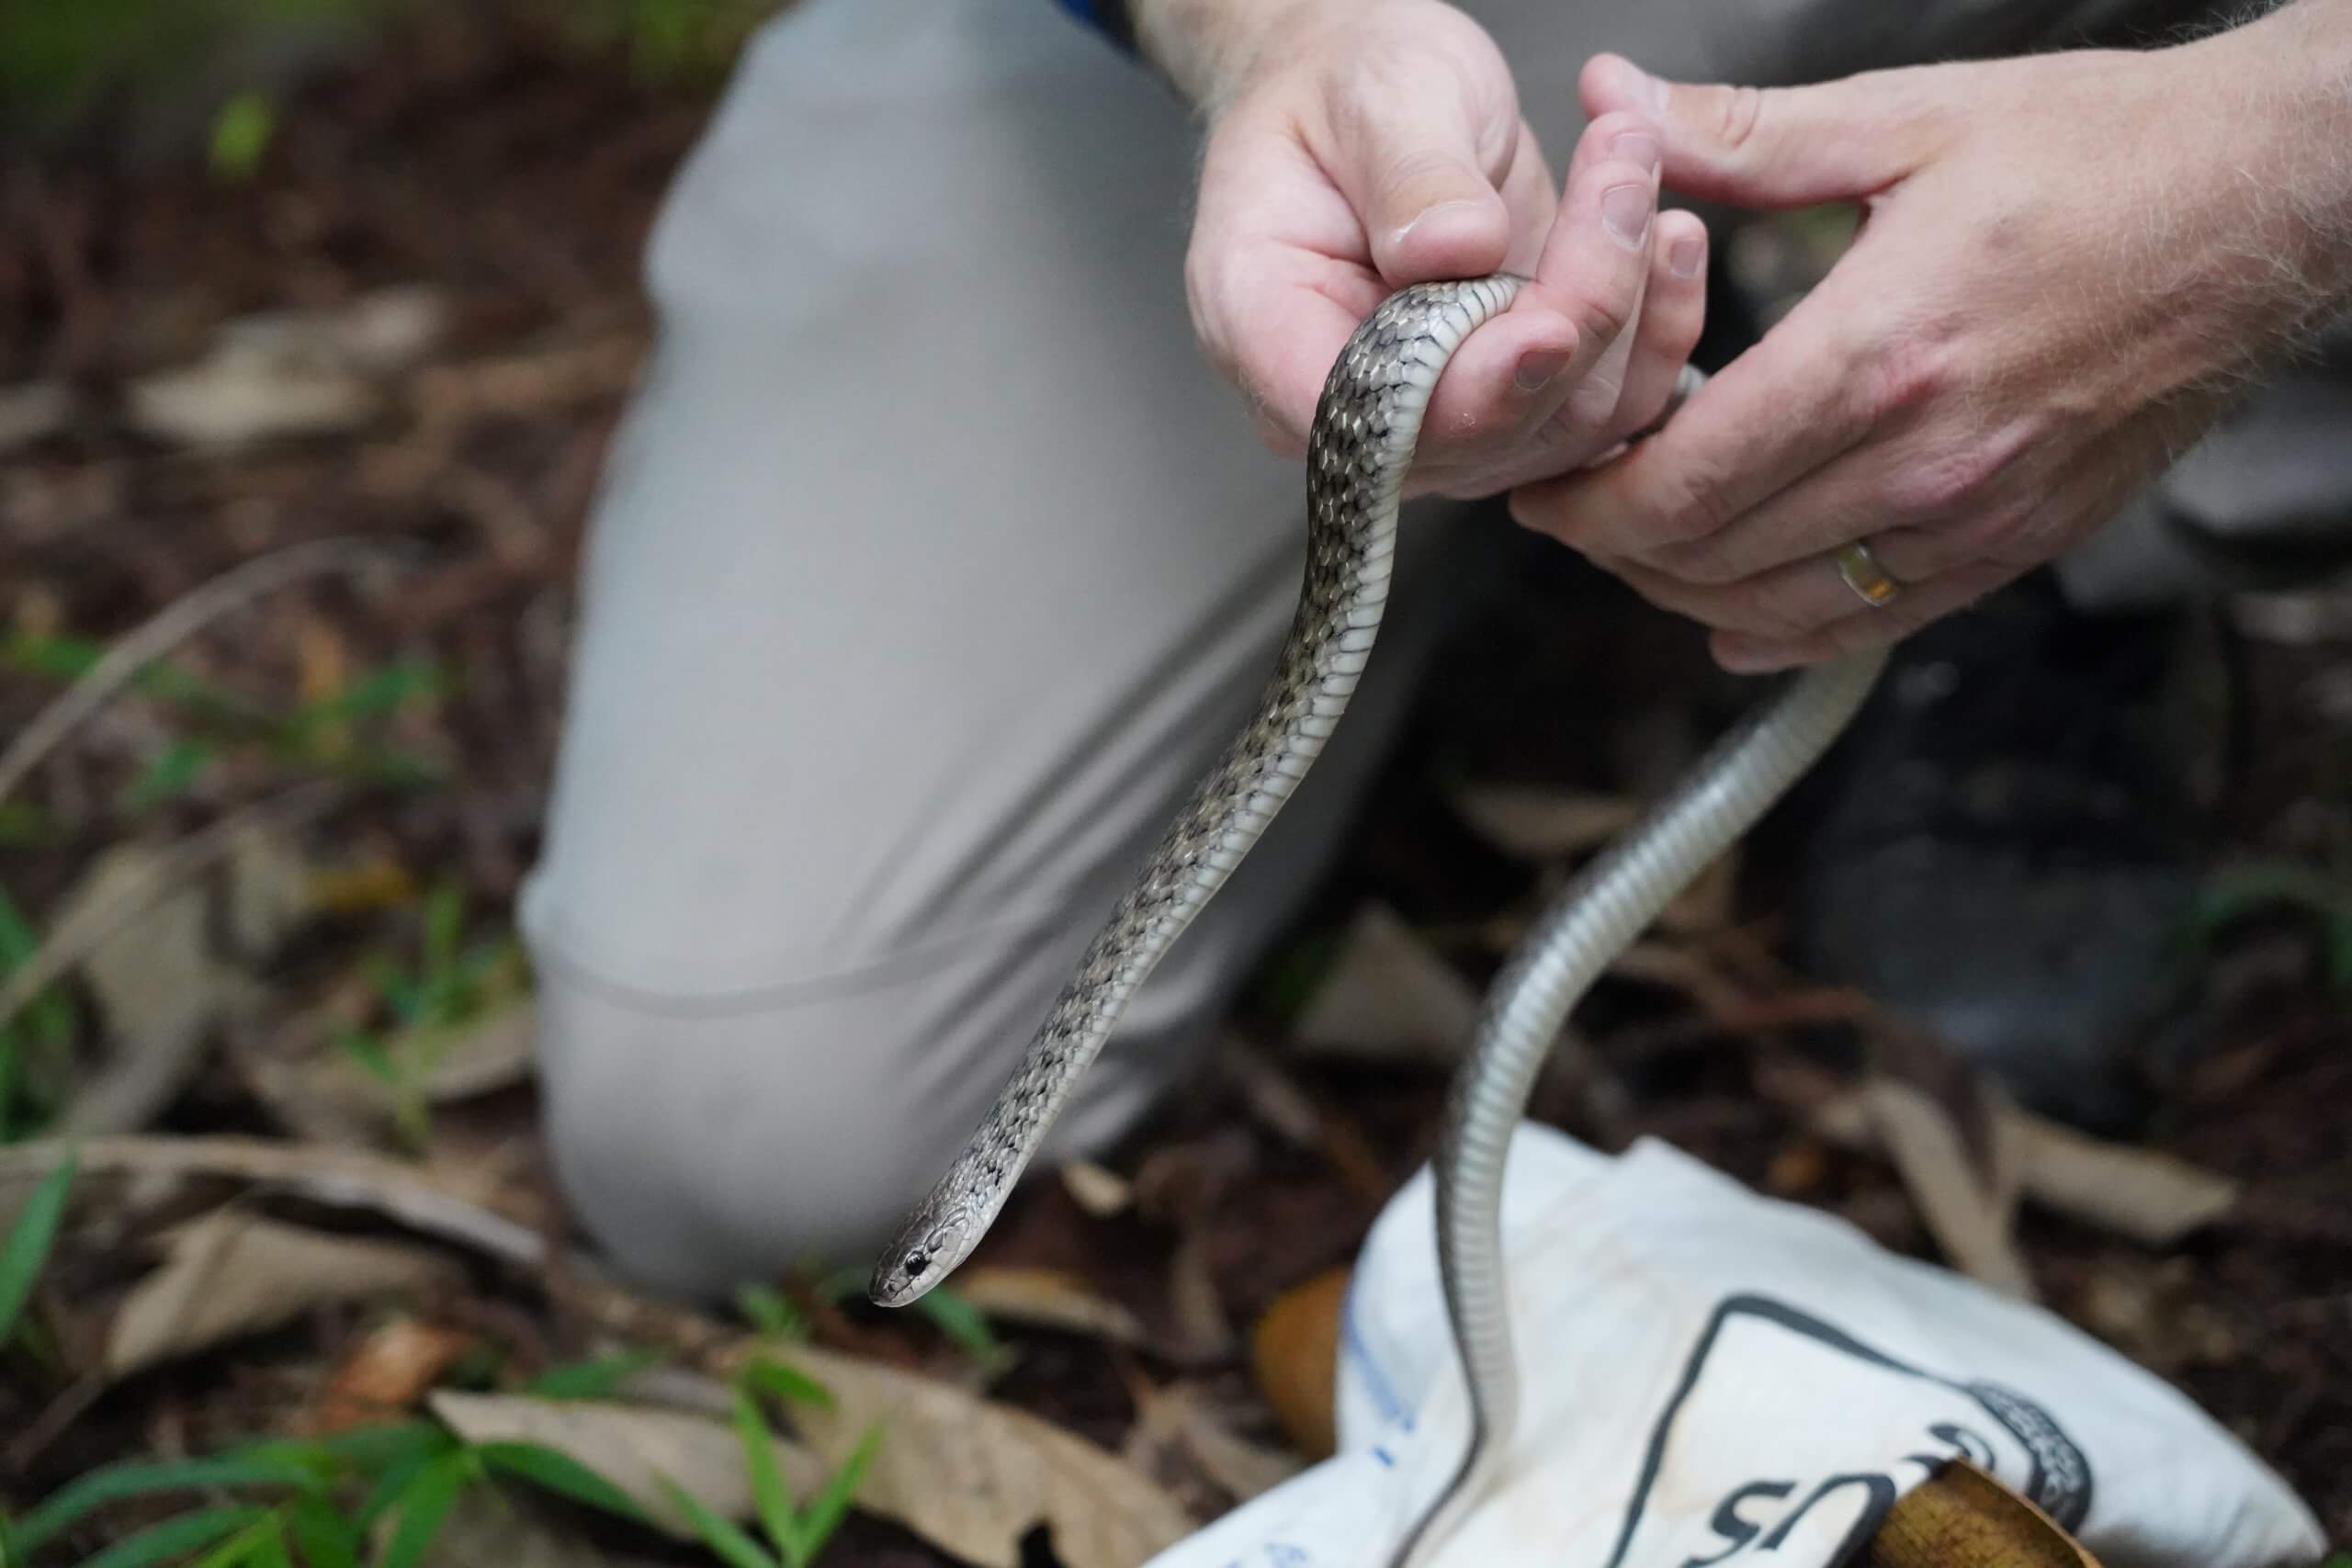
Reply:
x=170, y=626
x=73, y=939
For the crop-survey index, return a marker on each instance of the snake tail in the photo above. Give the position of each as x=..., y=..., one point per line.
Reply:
x=1592, y=920
x=1359, y=448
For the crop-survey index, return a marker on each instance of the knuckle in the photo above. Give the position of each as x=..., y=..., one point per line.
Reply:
x=1699, y=504
x=1954, y=478
x=1909, y=371
x=1736, y=112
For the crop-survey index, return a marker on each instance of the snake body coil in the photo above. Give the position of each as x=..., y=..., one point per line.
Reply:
x=1366, y=425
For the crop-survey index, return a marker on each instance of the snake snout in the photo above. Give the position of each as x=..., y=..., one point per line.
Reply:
x=911, y=1265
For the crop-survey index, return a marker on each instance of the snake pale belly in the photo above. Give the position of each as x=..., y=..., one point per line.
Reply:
x=1366, y=425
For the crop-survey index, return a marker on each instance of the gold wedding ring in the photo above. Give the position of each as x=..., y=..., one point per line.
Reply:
x=1869, y=579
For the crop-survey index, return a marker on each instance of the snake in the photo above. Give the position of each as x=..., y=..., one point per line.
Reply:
x=1367, y=422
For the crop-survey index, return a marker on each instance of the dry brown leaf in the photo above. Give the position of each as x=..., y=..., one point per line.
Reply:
x=632, y=1446
x=1537, y=824
x=1388, y=997
x=1294, y=1356
x=2149, y=1197
x=230, y=1274
x=158, y=978
x=2140, y=1194
x=1969, y=1209
x=388, y=1371
x=1962, y=1517
x=972, y=1476
x=1097, y=1189
x=1049, y=1298
x=154, y=1168
x=511, y=1526
x=1180, y=1417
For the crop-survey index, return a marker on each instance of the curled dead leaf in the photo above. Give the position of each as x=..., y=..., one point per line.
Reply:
x=233, y=1273
x=973, y=1476
x=1962, y=1517
x=1294, y=1356
x=634, y=1447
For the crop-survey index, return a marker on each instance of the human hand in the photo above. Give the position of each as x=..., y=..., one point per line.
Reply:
x=1363, y=147
x=2066, y=264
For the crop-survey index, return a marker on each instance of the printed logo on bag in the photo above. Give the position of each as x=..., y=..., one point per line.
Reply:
x=1847, y=1428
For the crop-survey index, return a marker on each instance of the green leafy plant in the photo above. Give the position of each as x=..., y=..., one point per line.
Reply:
x=795, y=1533
x=312, y=735
x=413, y=1472
x=26, y=1252
x=451, y=986
x=241, y=134
x=964, y=1324
x=35, y=1043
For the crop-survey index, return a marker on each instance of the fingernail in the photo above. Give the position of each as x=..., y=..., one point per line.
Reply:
x=1537, y=367
x=1434, y=209
x=1626, y=213
x=1687, y=255
x=1637, y=146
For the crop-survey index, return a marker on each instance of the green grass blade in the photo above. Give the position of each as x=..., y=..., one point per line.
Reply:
x=175, y=1538
x=767, y=1311
x=167, y=776
x=787, y=1383
x=137, y=1478
x=246, y=1545
x=562, y=1474
x=599, y=1379
x=830, y=1506
x=26, y=1250
x=769, y=1497
x=733, y=1547
x=424, y=1505
x=326, y=1538
x=396, y=1476
x=961, y=1322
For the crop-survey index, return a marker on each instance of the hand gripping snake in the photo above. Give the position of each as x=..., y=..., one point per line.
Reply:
x=1365, y=428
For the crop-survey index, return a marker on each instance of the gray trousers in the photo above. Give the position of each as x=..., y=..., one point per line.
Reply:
x=931, y=566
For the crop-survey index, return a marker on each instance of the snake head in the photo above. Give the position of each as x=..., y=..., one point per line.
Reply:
x=926, y=1250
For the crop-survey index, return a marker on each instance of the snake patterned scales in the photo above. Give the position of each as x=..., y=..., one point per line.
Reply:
x=1366, y=425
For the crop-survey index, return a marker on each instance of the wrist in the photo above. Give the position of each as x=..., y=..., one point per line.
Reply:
x=1208, y=48
x=2287, y=84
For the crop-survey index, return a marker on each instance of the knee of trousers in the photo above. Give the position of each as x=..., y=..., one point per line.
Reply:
x=707, y=1142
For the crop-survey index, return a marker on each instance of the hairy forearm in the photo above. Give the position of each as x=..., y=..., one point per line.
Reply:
x=2288, y=142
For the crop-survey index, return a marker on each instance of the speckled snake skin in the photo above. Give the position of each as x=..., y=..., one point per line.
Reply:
x=1365, y=428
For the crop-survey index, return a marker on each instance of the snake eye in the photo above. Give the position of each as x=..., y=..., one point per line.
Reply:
x=916, y=1263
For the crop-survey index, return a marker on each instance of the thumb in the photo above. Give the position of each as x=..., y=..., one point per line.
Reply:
x=1418, y=180
x=1780, y=146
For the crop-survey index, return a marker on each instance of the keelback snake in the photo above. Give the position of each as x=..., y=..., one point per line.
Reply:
x=1365, y=429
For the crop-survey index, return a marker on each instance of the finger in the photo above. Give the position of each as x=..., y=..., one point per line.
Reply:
x=1674, y=314
x=1289, y=324
x=1275, y=276
x=1774, y=415
x=1421, y=160
x=1780, y=147
x=1514, y=374
x=1864, y=627
x=1787, y=603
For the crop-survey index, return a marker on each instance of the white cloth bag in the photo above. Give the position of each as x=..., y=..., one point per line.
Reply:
x=1714, y=1377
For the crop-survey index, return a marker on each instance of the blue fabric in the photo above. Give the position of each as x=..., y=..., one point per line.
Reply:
x=1106, y=18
